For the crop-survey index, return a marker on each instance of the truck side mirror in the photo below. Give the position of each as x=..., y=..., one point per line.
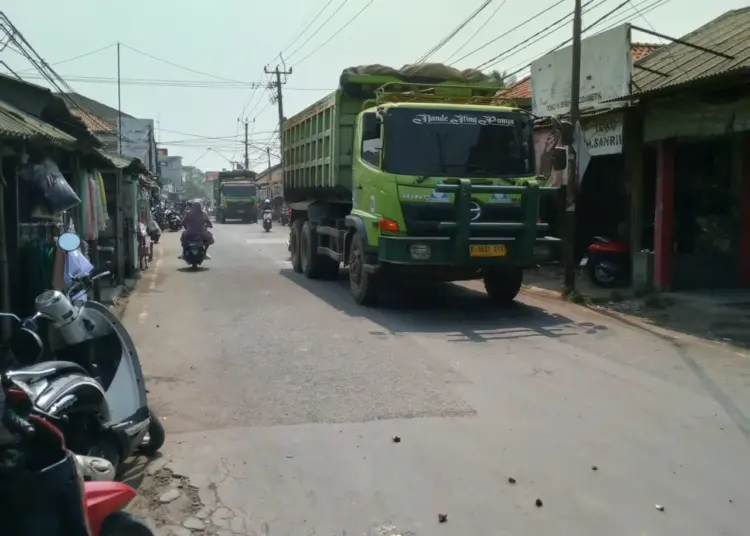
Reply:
x=559, y=158
x=567, y=132
x=370, y=127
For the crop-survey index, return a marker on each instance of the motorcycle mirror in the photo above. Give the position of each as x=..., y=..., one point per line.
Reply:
x=25, y=345
x=69, y=242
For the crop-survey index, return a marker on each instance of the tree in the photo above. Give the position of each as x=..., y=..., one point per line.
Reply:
x=195, y=185
x=501, y=77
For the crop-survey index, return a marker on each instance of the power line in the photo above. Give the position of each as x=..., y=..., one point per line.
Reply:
x=454, y=32
x=74, y=58
x=533, y=18
x=307, y=27
x=313, y=34
x=620, y=20
x=324, y=43
x=546, y=31
x=167, y=62
x=476, y=32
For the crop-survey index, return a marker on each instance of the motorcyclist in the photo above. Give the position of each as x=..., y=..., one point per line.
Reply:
x=266, y=205
x=197, y=223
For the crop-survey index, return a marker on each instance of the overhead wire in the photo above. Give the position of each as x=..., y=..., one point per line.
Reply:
x=74, y=58
x=314, y=33
x=532, y=18
x=553, y=27
x=454, y=32
x=337, y=32
x=476, y=32
x=520, y=67
x=307, y=27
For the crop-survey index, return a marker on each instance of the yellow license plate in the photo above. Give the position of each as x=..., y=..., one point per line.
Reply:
x=488, y=251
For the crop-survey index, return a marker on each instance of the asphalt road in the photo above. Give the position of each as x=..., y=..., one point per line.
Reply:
x=281, y=398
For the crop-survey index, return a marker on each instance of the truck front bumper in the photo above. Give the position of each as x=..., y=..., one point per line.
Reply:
x=480, y=252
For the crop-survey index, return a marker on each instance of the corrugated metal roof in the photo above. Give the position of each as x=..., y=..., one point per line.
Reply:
x=680, y=64
x=122, y=162
x=19, y=125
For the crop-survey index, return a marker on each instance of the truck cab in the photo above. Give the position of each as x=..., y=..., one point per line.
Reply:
x=442, y=189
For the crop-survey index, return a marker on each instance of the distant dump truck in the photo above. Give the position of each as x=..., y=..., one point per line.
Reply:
x=236, y=196
x=411, y=175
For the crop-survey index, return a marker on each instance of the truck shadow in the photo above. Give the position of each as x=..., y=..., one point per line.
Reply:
x=463, y=314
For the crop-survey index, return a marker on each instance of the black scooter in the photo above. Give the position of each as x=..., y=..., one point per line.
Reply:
x=96, y=388
x=194, y=253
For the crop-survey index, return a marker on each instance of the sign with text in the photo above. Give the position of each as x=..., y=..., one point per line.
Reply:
x=211, y=175
x=606, y=70
x=604, y=135
x=162, y=151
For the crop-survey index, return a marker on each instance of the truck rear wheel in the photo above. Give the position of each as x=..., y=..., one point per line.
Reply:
x=362, y=285
x=315, y=266
x=295, y=236
x=503, y=286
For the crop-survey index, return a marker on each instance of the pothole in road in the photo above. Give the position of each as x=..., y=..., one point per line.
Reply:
x=174, y=507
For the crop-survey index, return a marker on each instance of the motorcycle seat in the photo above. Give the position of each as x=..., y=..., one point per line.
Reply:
x=45, y=370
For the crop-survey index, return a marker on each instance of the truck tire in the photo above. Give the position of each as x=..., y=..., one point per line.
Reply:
x=314, y=266
x=295, y=236
x=503, y=286
x=363, y=286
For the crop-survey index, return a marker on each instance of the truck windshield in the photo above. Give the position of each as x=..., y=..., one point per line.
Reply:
x=239, y=191
x=458, y=144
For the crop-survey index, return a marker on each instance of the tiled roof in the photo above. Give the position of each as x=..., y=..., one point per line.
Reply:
x=522, y=88
x=108, y=113
x=676, y=64
x=19, y=125
x=95, y=124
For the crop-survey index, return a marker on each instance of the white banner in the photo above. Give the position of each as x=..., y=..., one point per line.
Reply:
x=606, y=69
x=137, y=137
x=604, y=136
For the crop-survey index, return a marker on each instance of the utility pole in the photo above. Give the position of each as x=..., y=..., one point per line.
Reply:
x=119, y=104
x=571, y=172
x=247, y=150
x=270, y=184
x=280, y=102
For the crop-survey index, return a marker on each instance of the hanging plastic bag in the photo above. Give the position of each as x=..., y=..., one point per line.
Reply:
x=76, y=265
x=45, y=178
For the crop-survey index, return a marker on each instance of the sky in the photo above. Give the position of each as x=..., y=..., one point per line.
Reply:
x=190, y=65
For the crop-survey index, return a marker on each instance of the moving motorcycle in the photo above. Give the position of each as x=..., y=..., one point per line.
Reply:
x=194, y=252
x=96, y=390
x=267, y=219
x=41, y=482
x=174, y=220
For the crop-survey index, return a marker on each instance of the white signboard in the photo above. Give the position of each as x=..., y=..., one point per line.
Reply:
x=137, y=135
x=606, y=69
x=604, y=136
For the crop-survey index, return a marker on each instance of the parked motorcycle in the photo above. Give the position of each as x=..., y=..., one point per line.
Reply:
x=96, y=390
x=607, y=262
x=267, y=219
x=194, y=252
x=41, y=482
x=286, y=215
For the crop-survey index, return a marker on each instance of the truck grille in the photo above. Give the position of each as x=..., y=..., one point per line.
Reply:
x=422, y=219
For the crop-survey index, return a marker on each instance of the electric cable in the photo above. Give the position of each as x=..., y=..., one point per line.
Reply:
x=313, y=34
x=307, y=27
x=516, y=27
x=454, y=32
x=337, y=32
x=476, y=32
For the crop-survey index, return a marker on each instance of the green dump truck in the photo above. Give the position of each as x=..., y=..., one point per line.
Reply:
x=414, y=177
x=236, y=196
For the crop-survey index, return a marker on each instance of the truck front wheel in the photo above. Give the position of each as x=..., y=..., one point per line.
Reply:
x=295, y=236
x=362, y=285
x=315, y=266
x=503, y=286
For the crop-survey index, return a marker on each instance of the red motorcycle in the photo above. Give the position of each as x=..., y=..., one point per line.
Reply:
x=607, y=262
x=42, y=491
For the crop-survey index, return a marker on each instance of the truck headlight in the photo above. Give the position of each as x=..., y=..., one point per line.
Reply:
x=420, y=252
